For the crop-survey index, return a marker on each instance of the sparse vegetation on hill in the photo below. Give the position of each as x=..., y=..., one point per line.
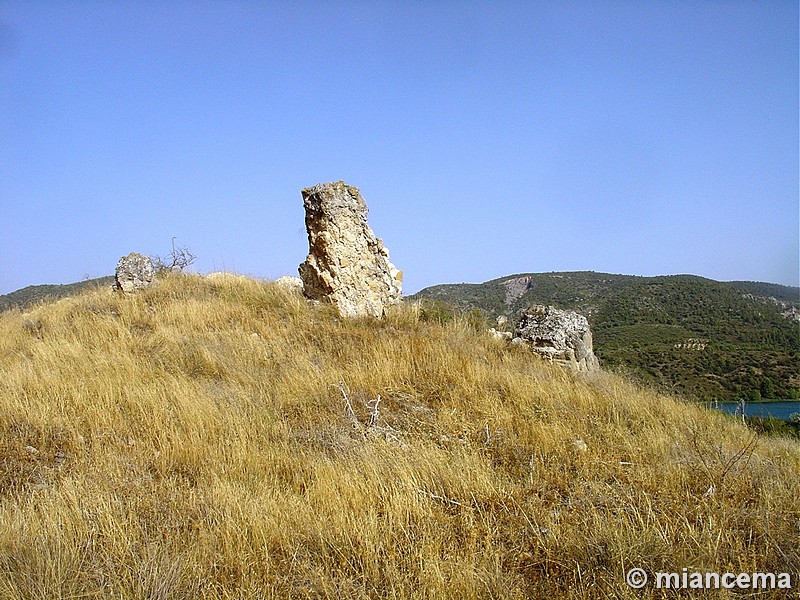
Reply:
x=225, y=439
x=702, y=339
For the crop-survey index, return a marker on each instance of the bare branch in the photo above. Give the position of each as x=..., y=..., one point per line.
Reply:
x=347, y=406
x=372, y=405
x=177, y=260
x=439, y=498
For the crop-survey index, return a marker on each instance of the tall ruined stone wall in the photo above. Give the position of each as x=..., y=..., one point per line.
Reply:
x=346, y=265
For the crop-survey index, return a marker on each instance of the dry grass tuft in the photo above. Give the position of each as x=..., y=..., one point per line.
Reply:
x=195, y=441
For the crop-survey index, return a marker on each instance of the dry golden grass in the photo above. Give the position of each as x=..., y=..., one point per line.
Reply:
x=193, y=441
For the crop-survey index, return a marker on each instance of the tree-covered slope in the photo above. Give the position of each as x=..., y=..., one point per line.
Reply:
x=32, y=294
x=702, y=338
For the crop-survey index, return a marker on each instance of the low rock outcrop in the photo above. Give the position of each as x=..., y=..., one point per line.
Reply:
x=133, y=273
x=501, y=335
x=346, y=265
x=292, y=284
x=226, y=276
x=560, y=335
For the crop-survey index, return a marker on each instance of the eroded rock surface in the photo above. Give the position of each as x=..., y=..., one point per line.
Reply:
x=133, y=273
x=516, y=288
x=346, y=265
x=560, y=335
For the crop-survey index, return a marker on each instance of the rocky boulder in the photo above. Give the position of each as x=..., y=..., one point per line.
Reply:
x=346, y=265
x=291, y=284
x=560, y=335
x=133, y=273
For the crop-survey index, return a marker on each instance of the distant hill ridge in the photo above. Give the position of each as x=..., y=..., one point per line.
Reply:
x=702, y=338
x=32, y=294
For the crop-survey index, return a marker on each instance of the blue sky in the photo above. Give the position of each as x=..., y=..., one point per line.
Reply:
x=488, y=138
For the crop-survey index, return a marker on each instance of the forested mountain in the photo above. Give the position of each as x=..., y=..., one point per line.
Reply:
x=32, y=294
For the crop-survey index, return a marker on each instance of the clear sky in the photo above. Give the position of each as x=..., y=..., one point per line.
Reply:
x=488, y=138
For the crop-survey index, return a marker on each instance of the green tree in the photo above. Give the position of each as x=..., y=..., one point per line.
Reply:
x=753, y=395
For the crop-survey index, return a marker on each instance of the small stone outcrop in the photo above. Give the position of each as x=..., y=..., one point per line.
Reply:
x=501, y=335
x=133, y=273
x=560, y=335
x=289, y=283
x=346, y=265
x=226, y=277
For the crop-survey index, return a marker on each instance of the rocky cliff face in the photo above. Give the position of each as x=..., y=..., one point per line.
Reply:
x=346, y=265
x=559, y=335
x=515, y=288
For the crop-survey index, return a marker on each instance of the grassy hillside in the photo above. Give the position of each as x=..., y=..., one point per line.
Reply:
x=223, y=439
x=685, y=334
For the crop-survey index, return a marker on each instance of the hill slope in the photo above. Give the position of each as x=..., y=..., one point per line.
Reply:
x=226, y=438
x=32, y=294
x=701, y=338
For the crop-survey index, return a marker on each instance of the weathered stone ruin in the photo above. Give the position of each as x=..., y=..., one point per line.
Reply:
x=133, y=273
x=346, y=265
x=560, y=335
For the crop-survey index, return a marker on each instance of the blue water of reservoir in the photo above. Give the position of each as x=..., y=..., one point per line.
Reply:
x=779, y=410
